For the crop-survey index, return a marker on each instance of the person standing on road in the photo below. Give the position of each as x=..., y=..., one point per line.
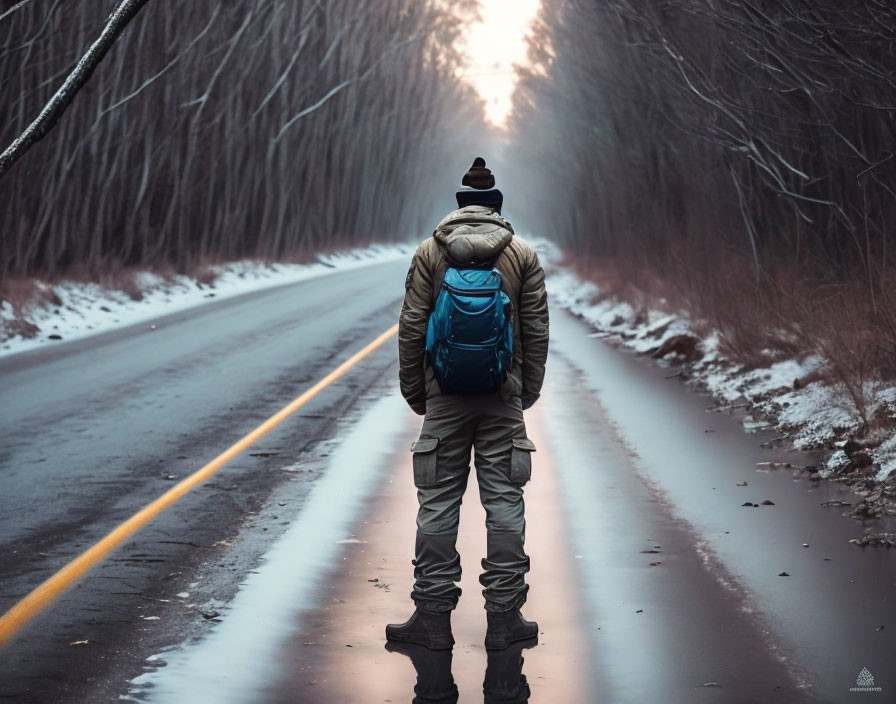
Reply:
x=472, y=344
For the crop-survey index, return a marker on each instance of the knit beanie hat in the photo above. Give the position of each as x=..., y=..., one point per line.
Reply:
x=478, y=176
x=478, y=187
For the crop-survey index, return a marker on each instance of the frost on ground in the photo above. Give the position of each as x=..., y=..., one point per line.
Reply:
x=792, y=397
x=69, y=310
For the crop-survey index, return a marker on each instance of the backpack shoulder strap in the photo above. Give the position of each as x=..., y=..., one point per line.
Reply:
x=441, y=267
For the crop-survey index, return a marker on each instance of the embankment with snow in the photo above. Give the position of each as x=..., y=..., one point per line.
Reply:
x=69, y=310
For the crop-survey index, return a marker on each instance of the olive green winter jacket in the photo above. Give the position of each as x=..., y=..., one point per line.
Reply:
x=474, y=236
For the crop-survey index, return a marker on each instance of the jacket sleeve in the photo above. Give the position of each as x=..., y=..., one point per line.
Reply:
x=533, y=329
x=412, y=333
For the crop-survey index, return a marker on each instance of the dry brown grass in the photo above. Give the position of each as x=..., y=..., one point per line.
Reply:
x=22, y=293
x=309, y=254
x=112, y=275
x=205, y=275
x=774, y=315
x=841, y=324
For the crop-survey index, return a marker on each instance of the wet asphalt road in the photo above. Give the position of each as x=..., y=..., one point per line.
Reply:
x=649, y=579
x=92, y=430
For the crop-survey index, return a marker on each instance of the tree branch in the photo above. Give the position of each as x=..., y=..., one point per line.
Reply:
x=59, y=103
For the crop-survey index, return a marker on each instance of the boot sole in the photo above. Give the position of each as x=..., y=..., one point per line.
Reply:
x=433, y=642
x=504, y=643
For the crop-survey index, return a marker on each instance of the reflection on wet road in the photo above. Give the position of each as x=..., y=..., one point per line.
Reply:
x=504, y=680
x=337, y=654
x=649, y=579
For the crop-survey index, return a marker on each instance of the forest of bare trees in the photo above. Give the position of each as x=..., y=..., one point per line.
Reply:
x=220, y=130
x=733, y=157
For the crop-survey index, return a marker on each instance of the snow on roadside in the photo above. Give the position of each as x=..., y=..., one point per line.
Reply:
x=84, y=309
x=788, y=396
x=885, y=457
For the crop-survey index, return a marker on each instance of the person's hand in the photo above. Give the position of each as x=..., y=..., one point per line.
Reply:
x=528, y=399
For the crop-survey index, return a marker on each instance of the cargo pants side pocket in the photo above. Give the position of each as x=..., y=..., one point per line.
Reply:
x=425, y=461
x=521, y=461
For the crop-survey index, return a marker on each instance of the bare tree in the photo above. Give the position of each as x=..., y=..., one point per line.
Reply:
x=267, y=129
x=734, y=157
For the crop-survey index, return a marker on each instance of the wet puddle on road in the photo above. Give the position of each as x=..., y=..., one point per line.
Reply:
x=340, y=654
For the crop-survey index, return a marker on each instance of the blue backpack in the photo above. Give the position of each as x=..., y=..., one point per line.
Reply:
x=469, y=337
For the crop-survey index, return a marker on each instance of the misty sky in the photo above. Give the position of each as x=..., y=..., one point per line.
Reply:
x=493, y=46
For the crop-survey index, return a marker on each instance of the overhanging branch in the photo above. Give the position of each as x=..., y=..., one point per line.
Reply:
x=52, y=112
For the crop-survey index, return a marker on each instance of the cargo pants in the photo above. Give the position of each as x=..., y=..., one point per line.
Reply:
x=455, y=425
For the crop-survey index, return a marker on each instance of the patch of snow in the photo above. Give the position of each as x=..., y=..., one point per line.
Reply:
x=781, y=375
x=659, y=328
x=87, y=308
x=835, y=463
x=566, y=290
x=885, y=457
x=710, y=346
x=817, y=413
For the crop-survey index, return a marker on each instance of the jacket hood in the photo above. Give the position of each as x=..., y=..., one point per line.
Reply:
x=473, y=236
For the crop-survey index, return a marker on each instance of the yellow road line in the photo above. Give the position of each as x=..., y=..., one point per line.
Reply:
x=37, y=600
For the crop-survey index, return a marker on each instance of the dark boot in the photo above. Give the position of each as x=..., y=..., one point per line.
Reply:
x=424, y=628
x=506, y=627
